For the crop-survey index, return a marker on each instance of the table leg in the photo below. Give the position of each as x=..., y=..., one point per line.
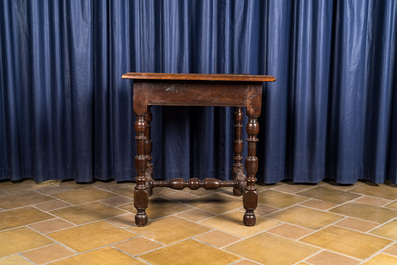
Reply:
x=250, y=196
x=238, y=167
x=148, y=149
x=141, y=198
x=148, y=142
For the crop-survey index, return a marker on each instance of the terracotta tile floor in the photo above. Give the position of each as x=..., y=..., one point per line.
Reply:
x=67, y=223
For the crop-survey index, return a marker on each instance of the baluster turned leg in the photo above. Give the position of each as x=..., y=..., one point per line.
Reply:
x=238, y=168
x=148, y=148
x=250, y=196
x=141, y=199
x=148, y=142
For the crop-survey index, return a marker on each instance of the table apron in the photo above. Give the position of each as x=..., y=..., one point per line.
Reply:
x=233, y=94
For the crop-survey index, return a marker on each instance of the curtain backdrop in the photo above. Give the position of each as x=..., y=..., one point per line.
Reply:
x=66, y=113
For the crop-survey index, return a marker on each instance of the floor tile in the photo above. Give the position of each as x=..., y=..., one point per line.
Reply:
x=21, y=239
x=388, y=230
x=90, y=236
x=290, y=231
x=196, y=215
x=344, y=187
x=160, y=191
x=15, y=187
x=88, y=212
x=263, y=209
x=22, y=199
x=357, y=224
x=21, y=216
x=232, y=222
x=318, y=204
x=203, y=192
x=279, y=199
x=50, y=226
x=129, y=192
x=118, y=201
x=382, y=191
x=57, y=186
x=329, y=195
x=364, y=231
x=14, y=260
x=123, y=220
x=113, y=185
x=84, y=195
x=261, y=186
x=48, y=254
x=170, y=229
x=216, y=203
x=189, y=252
x=71, y=184
x=3, y=193
x=266, y=248
x=103, y=256
x=137, y=245
x=217, y=238
x=179, y=196
x=392, y=205
x=330, y=258
x=391, y=250
x=348, y=242
x=366, y=212
x=306, y=217
x=245, y=262
x=45, y=184
x=52, y=205
x=52, y=190
x=382, y=259
x=371, y=200
x=292, y=188
x=159, y=207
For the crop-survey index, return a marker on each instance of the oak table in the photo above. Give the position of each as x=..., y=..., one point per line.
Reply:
x=228, y=90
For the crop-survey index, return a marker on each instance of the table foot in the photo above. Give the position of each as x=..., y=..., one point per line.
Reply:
x=141, y=219
x=249, y=219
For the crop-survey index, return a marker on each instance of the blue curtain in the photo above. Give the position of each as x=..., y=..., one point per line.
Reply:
x=66, y=113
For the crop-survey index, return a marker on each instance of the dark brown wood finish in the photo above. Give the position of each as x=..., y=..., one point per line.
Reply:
x=238, y=144
x=141, y=194
x=200, y=77
x=232, y=90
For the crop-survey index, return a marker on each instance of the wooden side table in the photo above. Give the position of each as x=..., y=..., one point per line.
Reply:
x=229, y=90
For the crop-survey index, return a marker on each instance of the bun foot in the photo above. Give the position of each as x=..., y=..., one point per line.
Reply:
x=141, y=219
x=249, y=219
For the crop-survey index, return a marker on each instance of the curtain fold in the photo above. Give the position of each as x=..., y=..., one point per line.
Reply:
x=65, y=112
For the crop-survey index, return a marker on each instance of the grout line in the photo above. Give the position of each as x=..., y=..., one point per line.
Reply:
x=380, y=251
x=211, y=228
x=26, y=258
x=17, y=254
x=331, y=251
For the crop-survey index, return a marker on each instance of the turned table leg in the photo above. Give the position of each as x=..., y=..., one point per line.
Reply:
x=148, y=149
x=148, y=142
x=238, y=168
x=250, y=196
x=141, y=198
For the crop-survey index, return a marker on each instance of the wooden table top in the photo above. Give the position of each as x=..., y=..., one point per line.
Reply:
x=200, y=77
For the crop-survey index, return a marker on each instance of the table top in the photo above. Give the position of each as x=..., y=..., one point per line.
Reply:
x=200, y=77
